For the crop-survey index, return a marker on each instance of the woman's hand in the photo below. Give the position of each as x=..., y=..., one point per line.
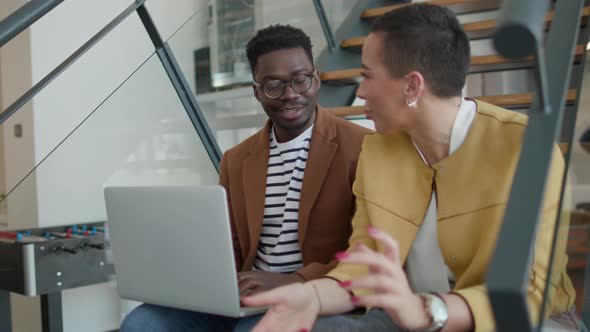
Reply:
x=388, y=281
x=291, y=308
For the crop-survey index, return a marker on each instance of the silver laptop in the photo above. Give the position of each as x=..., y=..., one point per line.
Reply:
x=172, y=247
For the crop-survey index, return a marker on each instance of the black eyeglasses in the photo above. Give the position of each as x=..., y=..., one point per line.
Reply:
x=275, y=88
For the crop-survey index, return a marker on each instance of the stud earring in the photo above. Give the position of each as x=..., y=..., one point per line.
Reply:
x=413, y=103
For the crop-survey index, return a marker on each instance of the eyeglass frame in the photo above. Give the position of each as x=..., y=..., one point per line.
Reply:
x=311, y=75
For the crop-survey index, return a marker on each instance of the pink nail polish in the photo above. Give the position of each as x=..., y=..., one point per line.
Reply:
x=345, y=284
x=360, y=246
x=354, y=299
x=304, y=330
x=341, y=255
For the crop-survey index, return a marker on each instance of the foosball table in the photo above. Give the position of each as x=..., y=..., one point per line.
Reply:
x=45, y=261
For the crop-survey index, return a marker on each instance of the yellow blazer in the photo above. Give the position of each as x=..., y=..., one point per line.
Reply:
x=393, y=188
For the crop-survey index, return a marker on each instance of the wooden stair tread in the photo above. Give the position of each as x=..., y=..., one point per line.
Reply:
x=481, y=60
x=581, y=217
x=353, y=42
x=472, y=27
x=563, y=147
x=376, y=12
x=576, y=264
x=336, y=75
x=581, y=250
x=498, y=59
x=578, y=242
x=518, y=99
x=491, y=24
x=506, y=100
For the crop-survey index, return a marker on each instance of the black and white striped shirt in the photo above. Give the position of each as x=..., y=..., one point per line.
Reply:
x=278, y=249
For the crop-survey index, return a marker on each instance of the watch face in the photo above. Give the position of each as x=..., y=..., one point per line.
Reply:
x=438, y=310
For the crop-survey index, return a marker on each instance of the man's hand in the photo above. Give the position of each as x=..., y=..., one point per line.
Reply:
x=252, y=282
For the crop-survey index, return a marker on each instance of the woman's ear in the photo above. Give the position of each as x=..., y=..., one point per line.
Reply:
x=414, y=84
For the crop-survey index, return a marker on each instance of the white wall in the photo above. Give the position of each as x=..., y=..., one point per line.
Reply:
x=75, y=94
x=63, y=188
x=68, y=100
x=15, y=71
x=144, y=114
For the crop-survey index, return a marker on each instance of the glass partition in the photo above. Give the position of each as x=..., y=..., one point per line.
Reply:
x=140, y=134
x=233, y=113
x=211, y=50
x=47, y=119
x=50, y=40
x=575, y=209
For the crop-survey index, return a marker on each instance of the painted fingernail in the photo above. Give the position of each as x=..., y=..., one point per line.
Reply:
x=372, y=230
x=345, y=284
x=304, y=330
x=354, y=299
x=341, y=255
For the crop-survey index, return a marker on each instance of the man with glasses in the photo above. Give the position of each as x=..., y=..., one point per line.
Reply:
x=289, y=185
x=292, y=180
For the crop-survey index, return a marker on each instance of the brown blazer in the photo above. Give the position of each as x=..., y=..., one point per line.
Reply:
x=326, y=206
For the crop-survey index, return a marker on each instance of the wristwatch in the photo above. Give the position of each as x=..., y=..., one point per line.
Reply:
x=436, y=309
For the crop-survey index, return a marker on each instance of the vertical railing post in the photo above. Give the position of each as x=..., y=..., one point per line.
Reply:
x=51, y=313
x=321, y=12
x=5, y=311
x=520, y=33
x=181, y=87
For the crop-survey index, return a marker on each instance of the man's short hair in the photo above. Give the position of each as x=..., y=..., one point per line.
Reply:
x=277, y=37
x=428, y=39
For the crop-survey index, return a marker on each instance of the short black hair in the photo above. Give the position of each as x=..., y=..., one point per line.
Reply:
x=277, y=37
x=428, y=39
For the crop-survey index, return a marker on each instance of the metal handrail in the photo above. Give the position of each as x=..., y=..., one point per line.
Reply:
x=24, y=17
x=509, y=269
x=181, y=87
x=321, y=12
x=33, y=91
x=521, y=26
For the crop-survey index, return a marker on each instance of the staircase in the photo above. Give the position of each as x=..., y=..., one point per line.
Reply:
x=341, y=67
x=339, y=64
